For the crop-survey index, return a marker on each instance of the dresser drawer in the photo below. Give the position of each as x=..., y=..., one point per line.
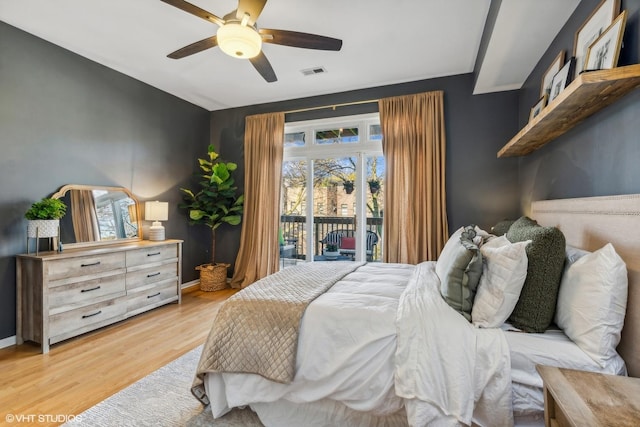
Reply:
x=75, y=295
x=154, y=274
x=81, y=318
x=137, y=302
x=84, y=265
x=152, y=254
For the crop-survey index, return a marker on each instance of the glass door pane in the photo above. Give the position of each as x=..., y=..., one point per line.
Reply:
x=375, y=170
x=293, y=213
x=334, y=213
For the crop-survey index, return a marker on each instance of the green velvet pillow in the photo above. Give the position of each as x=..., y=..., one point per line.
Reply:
x=502, y=227
x=537, y=303
x=459, y=269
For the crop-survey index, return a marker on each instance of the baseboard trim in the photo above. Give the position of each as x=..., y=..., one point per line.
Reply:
x=8, y=342
x=195, y=284
x=189, y=286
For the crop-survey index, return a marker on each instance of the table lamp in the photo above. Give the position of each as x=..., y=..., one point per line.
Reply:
x=156, y=212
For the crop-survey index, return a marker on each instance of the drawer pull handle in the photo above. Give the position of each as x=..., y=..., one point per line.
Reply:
x=91, y=264
x=91, y=315
x=154, y=295
x=154, y=274
x=154, y=254
x=92, y=289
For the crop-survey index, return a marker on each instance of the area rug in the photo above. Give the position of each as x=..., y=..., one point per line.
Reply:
x=162, y=398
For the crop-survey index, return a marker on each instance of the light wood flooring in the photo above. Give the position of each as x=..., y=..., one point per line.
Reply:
x=80, y=372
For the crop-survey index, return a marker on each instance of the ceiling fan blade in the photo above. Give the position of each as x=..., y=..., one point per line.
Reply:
x=251, y=7
x=303, y=40
x=195, y=10
x=196, y=47
x=261, y=63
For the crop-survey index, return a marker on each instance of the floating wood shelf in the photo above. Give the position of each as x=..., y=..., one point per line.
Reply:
x=587, y=94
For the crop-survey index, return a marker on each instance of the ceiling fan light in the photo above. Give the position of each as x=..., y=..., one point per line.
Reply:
x=239, y=41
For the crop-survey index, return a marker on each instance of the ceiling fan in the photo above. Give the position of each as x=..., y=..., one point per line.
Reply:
x=238, y=36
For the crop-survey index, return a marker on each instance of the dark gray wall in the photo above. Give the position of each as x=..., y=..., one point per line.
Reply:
x=481, y=189
x=600, y=155
x=65, y=119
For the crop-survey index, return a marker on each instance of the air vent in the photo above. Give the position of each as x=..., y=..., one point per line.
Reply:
x=314, y=70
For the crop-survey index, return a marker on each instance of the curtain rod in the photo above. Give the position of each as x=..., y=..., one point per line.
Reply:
x=332, y=106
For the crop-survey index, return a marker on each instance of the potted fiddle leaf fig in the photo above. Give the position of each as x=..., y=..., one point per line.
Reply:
x=216, y=202
x=44, y=217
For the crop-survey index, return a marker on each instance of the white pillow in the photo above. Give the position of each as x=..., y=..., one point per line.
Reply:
x=503, y=275
x=573, y=254
x=592, y=302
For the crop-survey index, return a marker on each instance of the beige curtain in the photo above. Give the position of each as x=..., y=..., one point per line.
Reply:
x=259, y=245
x=415, y=224
x=84, y=216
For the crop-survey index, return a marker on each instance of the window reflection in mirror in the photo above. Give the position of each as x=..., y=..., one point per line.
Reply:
x=98, y=214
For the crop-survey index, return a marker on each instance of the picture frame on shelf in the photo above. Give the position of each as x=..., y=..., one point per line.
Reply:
x=547, y=77
x=604, y=52
x=561, y=79
x=599, y=20
x=537, y=109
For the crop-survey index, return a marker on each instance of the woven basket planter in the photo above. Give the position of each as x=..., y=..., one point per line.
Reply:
x=213, y=277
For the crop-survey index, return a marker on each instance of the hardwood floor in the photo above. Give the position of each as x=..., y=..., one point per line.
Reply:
x=80, y=372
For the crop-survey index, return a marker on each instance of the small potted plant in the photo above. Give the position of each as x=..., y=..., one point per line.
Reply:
x=331, y=251
x=44, y=217
x=348, y=186
x=374, y=186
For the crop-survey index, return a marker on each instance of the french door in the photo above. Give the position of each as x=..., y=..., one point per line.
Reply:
x=332, y=190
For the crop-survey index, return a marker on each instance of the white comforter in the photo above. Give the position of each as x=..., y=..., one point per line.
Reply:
x=347, y=353
x=449, y=371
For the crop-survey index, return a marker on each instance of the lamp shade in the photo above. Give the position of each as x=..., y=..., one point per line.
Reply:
x=156, y=211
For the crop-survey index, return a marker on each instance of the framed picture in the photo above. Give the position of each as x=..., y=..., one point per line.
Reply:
x=603, y=53
x=561, y=79
x=536, y=109
x=545, y=88
x=595, y=25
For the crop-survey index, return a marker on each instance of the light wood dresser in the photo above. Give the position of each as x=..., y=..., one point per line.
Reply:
x=61, y=295
x=588, y=399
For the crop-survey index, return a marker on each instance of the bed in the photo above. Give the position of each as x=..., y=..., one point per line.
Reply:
x=367, y=353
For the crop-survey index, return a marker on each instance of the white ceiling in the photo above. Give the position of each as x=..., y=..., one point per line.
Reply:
x=384, y=42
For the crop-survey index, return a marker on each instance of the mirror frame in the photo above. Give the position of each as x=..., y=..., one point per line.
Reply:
x=63, y=190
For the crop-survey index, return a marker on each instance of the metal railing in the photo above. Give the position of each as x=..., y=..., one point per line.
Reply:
x=294, y=230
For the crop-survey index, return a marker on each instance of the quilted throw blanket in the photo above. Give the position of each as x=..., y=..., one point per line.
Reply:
x=256, y=330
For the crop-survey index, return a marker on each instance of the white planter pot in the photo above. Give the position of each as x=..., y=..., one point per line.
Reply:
x=43, y=228
x=331, y=255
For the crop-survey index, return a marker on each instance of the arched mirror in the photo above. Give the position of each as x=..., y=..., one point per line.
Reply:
x=98, y=215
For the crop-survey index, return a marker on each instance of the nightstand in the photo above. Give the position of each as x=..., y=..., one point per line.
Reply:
x=581, y=399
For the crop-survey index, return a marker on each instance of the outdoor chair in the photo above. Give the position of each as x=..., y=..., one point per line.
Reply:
x=345, y=241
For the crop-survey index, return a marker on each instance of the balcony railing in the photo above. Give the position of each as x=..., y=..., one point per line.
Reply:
x=294, y=229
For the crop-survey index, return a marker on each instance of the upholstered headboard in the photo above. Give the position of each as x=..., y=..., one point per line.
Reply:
x=589, y=223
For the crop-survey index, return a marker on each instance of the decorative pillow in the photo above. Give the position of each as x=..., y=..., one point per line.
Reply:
x=459, y=268
x=348, y=243
x=537, y=304
x=592, y=303
x=572, y=254
x=503, y=274
x=502, y=227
